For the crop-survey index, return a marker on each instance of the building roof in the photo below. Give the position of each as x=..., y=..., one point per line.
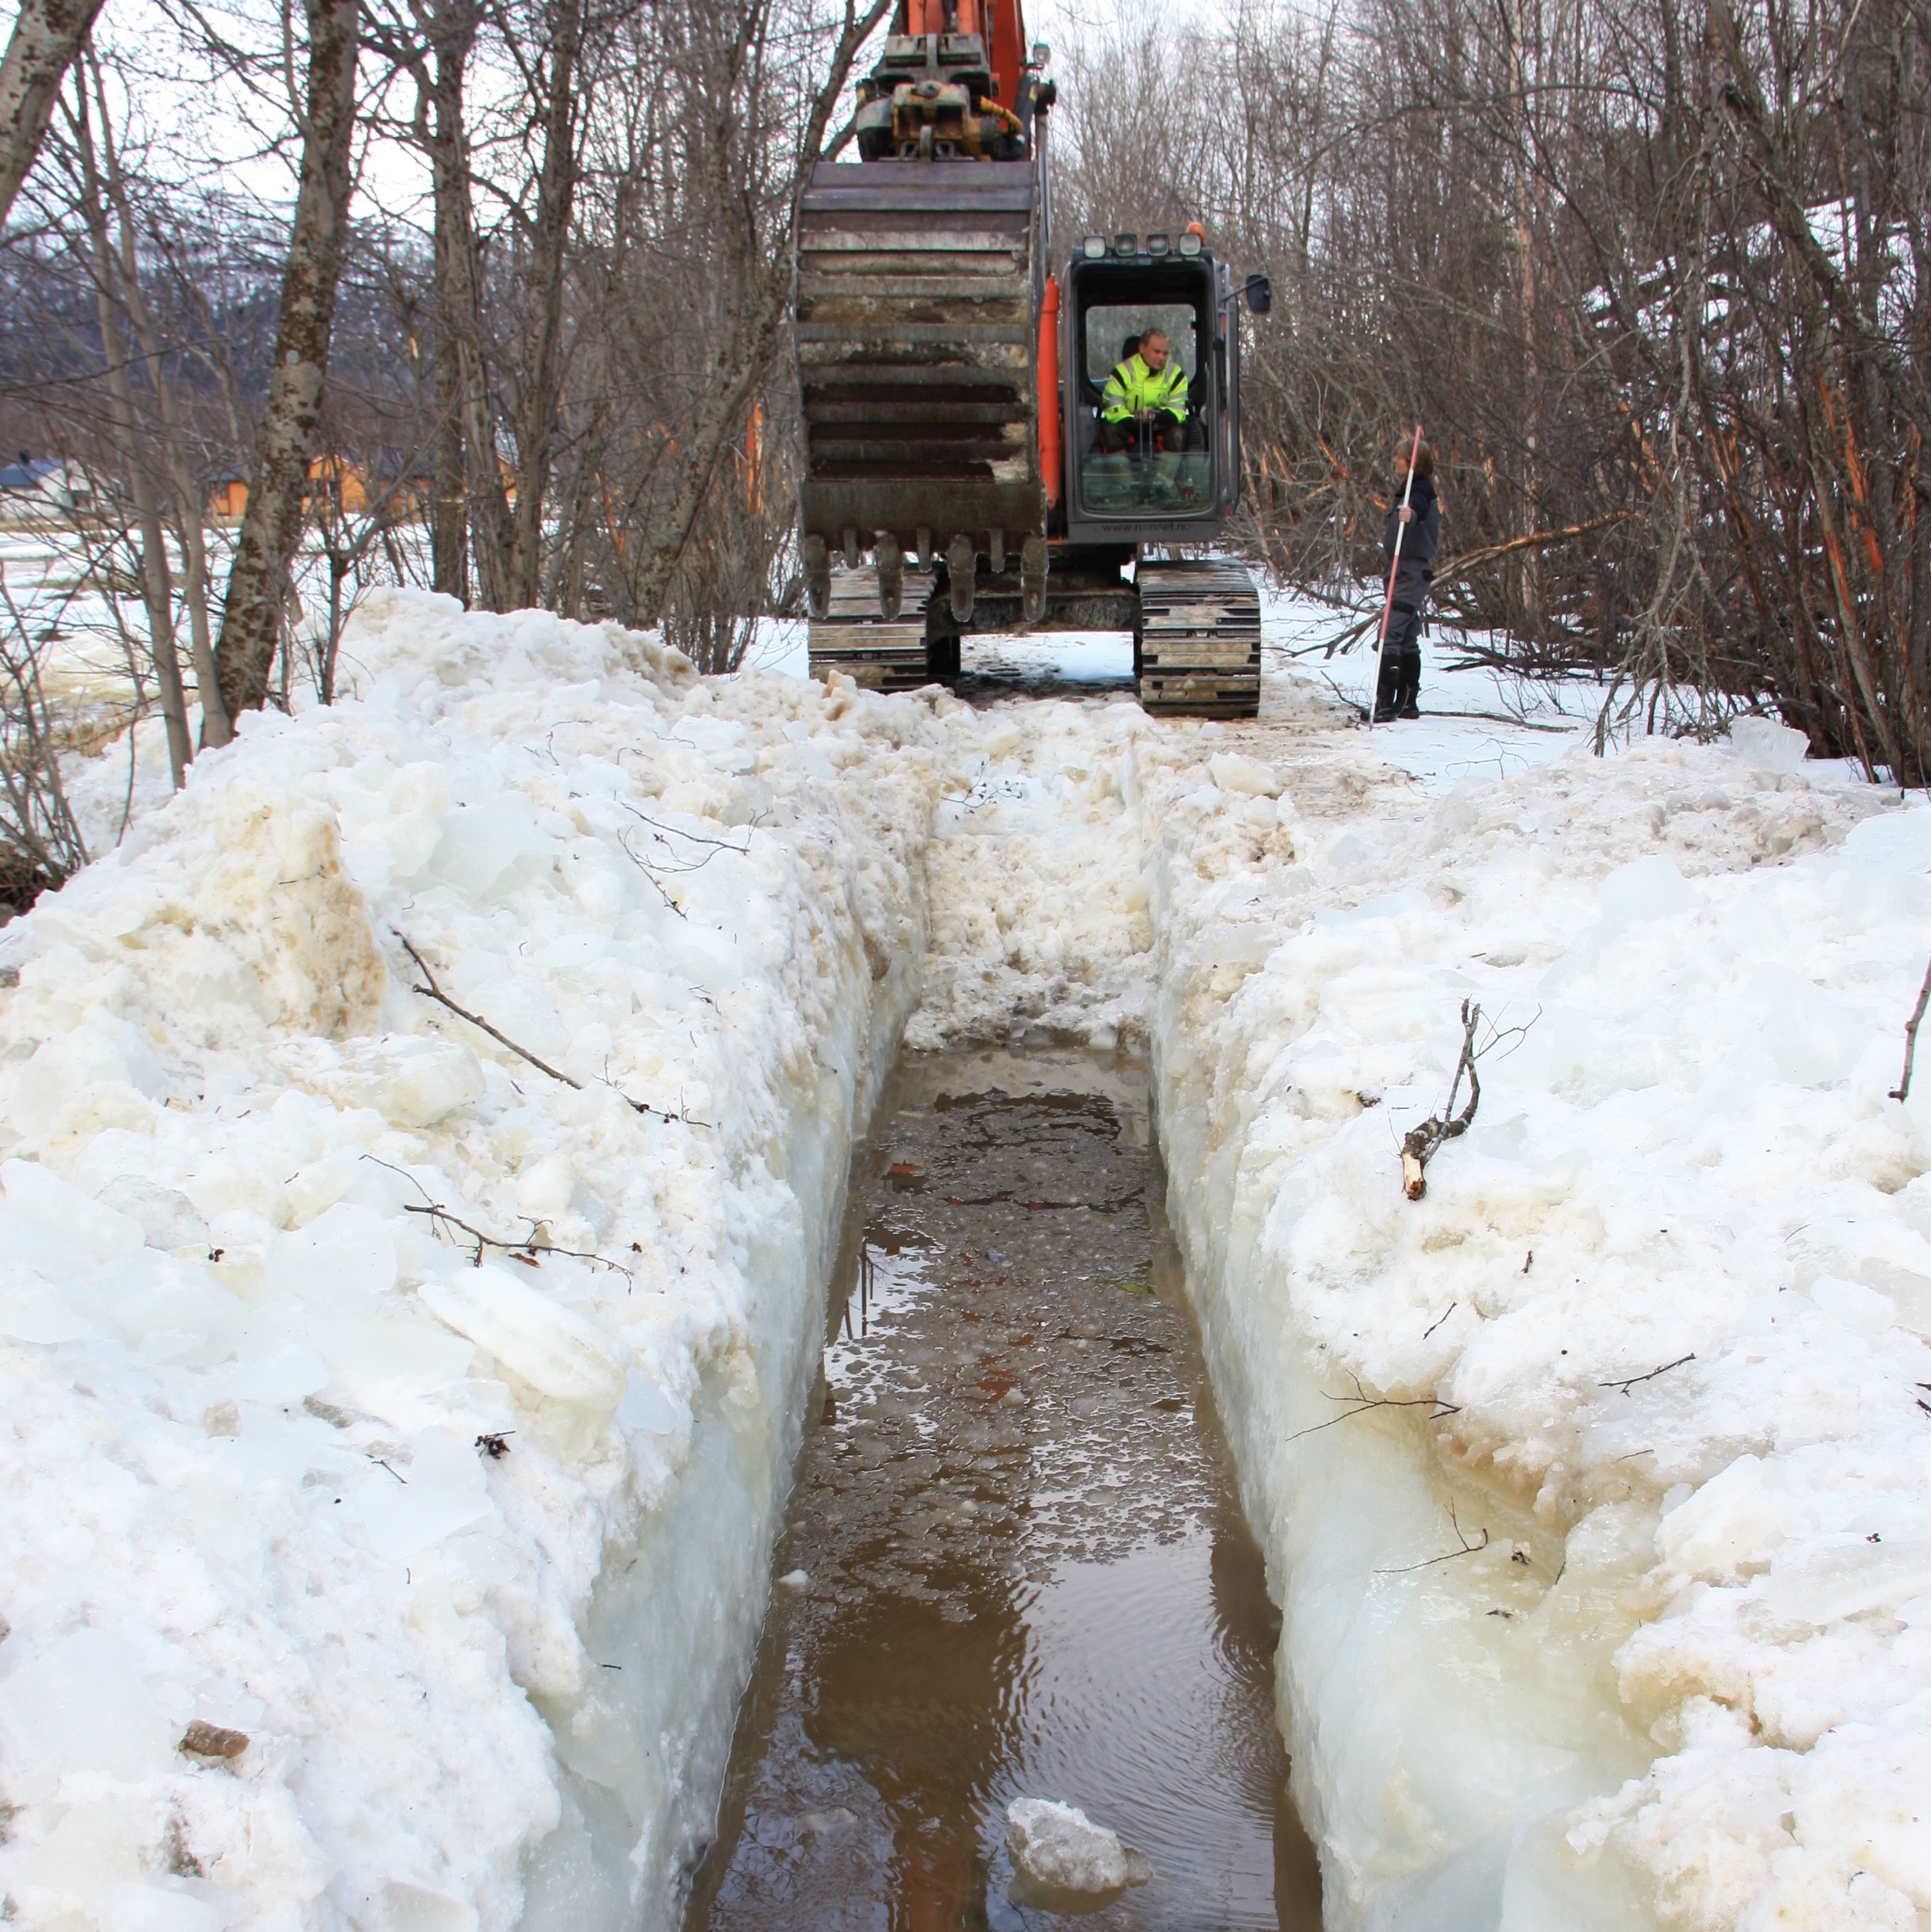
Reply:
x=28, y=474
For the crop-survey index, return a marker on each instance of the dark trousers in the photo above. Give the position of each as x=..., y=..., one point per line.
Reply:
x=1401, y=664
x=1169, y=433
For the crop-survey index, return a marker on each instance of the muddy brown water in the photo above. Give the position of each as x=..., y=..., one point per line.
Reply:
x=1014, y=1564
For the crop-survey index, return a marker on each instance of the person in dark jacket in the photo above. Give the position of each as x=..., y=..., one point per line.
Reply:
x=1401, y=655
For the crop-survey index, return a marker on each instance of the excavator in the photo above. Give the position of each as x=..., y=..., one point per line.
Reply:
x=950, y=373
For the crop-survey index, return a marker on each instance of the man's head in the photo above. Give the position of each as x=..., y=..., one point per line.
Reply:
x=1154, y=349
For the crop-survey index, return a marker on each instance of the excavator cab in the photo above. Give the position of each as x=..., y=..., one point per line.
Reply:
x=1174, y=481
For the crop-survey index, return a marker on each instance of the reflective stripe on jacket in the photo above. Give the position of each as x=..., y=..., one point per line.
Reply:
x=1133, y=387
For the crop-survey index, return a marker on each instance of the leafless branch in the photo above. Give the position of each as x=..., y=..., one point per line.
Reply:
x=1419, y=1144
x=1902, y=1090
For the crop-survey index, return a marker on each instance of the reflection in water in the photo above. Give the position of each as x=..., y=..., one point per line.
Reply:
x=1024, y=1571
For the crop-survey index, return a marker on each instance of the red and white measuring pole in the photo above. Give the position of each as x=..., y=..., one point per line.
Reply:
x=1388, y=602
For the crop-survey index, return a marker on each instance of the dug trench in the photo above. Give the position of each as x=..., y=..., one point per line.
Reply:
x=1014, y=1564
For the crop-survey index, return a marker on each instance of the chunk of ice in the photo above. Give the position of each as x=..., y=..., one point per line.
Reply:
x=345, y=1255
x=1059, y=1845
x=1650, y=888
x=36, y=1311
x=156, y=1907
x=555, y=1350
x=1824, y=1578
x=411, y=1081
x=1232, y=772
x=83, y=1705
x=165, y=1215
x=1775, y=748
x=62, y=1209
x=479, y=844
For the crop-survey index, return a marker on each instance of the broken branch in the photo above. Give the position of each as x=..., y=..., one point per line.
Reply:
x=433, y=991
x=1629, y=1381
x=1419, y=1145
x=1902, y=1090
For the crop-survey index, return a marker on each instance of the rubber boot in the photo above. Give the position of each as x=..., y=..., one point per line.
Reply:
x=1408, y=686
x=1386, y=687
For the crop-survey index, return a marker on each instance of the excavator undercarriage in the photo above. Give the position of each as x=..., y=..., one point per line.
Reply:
x=961, y=473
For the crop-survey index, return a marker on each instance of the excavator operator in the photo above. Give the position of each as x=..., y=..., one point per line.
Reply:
x=1147, y=396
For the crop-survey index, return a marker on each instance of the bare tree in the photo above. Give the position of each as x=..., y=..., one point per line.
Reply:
x=252, y=615
x=47, y=35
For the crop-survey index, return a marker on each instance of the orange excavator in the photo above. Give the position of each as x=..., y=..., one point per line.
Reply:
x=951, y=369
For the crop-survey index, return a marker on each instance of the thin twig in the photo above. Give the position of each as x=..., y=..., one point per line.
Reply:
x=1447, y=1556
x=1365, y=1402
x=1911, y=1026
x=438, y=1214
x=433, y=991
x=1439, y=1319
x=1629, y=1381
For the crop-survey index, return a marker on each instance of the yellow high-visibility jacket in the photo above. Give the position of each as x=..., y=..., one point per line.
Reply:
x=1133, y=387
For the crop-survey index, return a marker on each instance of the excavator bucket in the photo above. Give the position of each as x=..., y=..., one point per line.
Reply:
x=916, y=342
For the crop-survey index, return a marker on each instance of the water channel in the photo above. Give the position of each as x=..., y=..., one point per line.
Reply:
x=1014, y=1564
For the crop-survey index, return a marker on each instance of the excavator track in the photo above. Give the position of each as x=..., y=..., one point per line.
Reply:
x=1199, y=652
x=855, y=636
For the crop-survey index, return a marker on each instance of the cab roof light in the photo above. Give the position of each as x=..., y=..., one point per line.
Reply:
x=1093, y=247
x=1157, y=245
x=1194, y=240
x=1127, y=243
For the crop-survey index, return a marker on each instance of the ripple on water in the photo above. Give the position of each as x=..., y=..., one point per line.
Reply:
x=1026, y=1574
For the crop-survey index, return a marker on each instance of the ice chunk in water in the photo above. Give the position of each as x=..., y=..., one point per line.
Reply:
x=1059, y=1845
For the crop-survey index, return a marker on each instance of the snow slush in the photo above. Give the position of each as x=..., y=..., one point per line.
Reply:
x=1014, y=1567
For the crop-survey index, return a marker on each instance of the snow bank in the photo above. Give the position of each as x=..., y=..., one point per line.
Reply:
x=1595, y=1483
x=253, y=1383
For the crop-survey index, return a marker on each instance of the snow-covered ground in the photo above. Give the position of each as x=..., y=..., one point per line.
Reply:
x=1593, y=1484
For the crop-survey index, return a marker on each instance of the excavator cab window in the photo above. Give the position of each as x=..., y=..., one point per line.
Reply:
x=1155, y=463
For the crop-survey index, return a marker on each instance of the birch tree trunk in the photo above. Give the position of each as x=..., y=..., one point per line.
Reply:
x=251, y=622
x=46, y=35
x=157, y=585
x=536, y=403
x=737, y=367
x=472, y=517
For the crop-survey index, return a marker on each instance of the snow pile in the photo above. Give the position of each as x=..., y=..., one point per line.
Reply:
x=404, y=1403
x=1040, y=926
x=1059, y=1847
x=1608, y=1460
x=472, y=1556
